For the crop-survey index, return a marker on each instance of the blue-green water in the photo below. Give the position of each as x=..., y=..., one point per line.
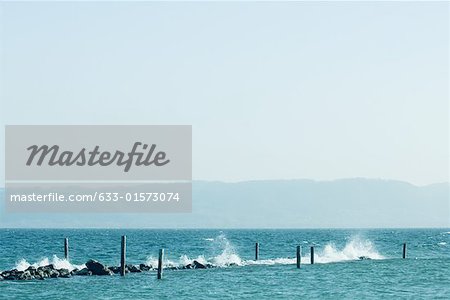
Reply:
x=337, y=274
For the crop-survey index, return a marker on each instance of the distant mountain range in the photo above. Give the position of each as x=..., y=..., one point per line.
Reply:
x=345, y=203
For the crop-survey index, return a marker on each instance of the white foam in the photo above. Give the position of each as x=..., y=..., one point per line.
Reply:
x=22, y=265
x=275, y=261
x=442, y=243
x=227, y=257
x=59, y=263
x=353, y=250
x=153, y=262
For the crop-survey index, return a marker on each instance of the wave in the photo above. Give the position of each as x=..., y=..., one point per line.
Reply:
x=227, y=257
x=59, y=263
x=275, y=261
x=355, y=249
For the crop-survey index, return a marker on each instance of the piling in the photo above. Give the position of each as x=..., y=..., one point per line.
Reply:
x=123, y=253
x=404, y=250
x=66, y=248
x=256, y=251
x=312, y=255
x=160, y=263
x=299, y=256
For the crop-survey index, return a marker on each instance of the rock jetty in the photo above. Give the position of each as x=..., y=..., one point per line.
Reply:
x=93, y=268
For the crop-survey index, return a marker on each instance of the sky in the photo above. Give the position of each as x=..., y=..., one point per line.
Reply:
x=272, y=90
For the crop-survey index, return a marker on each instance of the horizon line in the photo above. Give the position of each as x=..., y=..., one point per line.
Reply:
x=263, y=180
x=233, y=228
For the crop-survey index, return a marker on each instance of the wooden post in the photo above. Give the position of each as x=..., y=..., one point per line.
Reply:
x=160, y=263
x=299, y=256
x=404, y=250
x=256, y=251
x=123, y=253
x=66, y=249
x=312, y=255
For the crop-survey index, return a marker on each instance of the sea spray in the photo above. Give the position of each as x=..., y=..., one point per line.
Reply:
x=353, y=250
x=227, y=257
x=59, y=263
x=275, y=261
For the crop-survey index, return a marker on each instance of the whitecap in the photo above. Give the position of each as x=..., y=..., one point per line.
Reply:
x=353, y=250
x=59, y=263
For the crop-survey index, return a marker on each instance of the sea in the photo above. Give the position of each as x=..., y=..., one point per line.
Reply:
x=338, y=271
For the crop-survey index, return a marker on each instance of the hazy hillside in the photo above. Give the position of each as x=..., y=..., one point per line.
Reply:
x=284, y=203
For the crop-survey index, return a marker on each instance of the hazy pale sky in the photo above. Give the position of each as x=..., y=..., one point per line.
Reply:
x=273, y=90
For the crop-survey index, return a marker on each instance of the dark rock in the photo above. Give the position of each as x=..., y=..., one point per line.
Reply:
x=42, y=274
x=97, y=268
x=64, y=273
x=198, y=265
x=364, y=258
x=50, y=266
x=10, y=276
x=54, y=274
x=25, y=275
x=144, y=267
x=47, y=270
x=116, y=270
x=83, y=272
x=1, y=277
x=13, y=275
x=133, y=269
